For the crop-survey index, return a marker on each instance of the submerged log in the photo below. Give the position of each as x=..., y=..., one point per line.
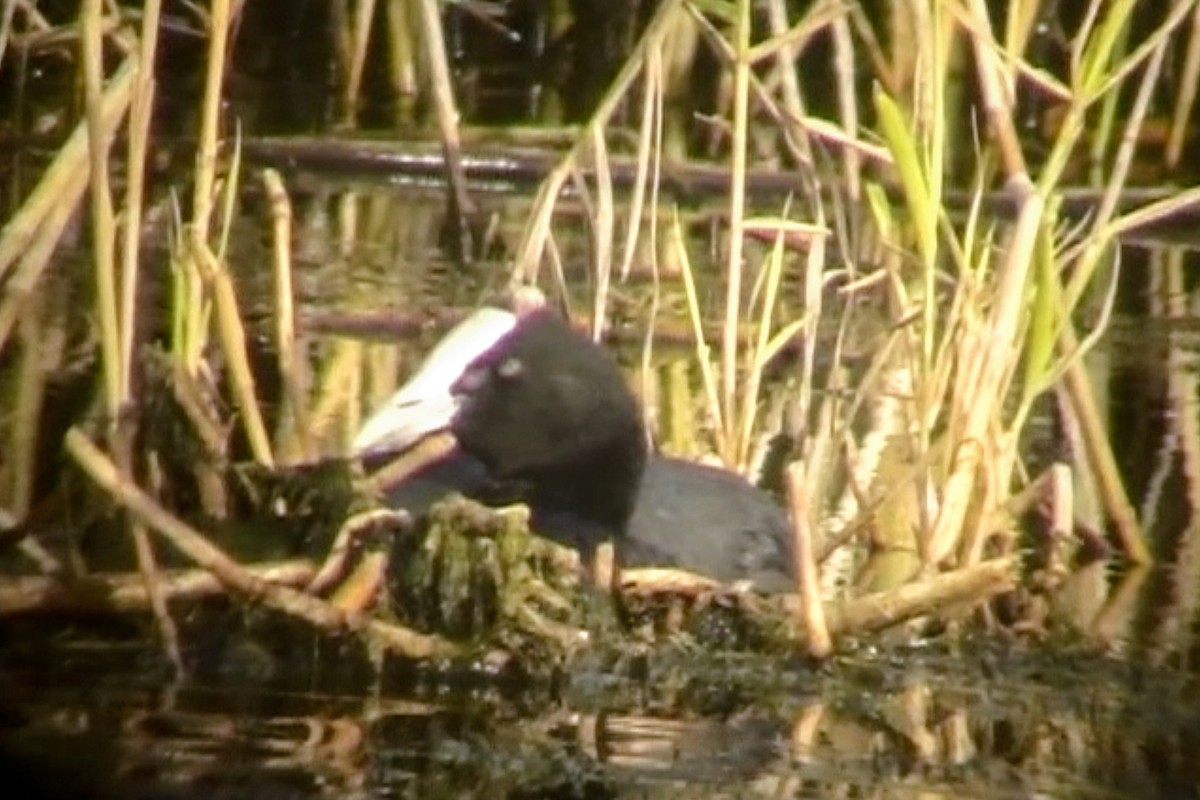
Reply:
x=524, y=166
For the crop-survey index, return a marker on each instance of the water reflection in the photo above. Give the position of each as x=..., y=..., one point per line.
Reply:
x=983, y=721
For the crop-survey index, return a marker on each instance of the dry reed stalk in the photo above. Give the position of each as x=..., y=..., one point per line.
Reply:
x=234, y=576
x=1116, y=623
x=603, y=228
x=1062, y=501
x=1178, y=203
x=991, y=350
x=139, y=127
x=41, y=351
x=364, y=13
x=104, y=234
x=292, y=368
x=786, y=55
x=1100, y=457
x=703, y=354
x=807, y=734
x=844, y=71
x=768, y=342
x=1189, y=80
x=795, y=38
x=140, y=114
x=425, y=452
x=987, y=365
x=210, y=118
x=103, y=224
x=647, y=581
x=1099, y=450
x=1123, y=158
x=42, y=346
x=121, y=443
x=996, y=85
x=233, y=343
x=968, y=297
x=126, y=593
x=816, y=453
x=442, y=91
x=230, y=188
x=350, y=535
x=797, y=128
x=727, y=441
x=747, y=415
x=363, y=587
x=649, y=147
x=917, y=137
x=190, y=304
x=528, y=258
x=1019, y=21
x=964, y=586
x=655, y=80
x=811, y=614
x=20, y=288
x=604, y=572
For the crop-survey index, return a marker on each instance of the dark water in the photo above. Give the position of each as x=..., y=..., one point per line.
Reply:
x=984, y=719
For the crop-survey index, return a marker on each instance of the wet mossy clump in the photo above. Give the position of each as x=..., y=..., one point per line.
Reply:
x=475, y=573
x=469, y=572
x=716, y=617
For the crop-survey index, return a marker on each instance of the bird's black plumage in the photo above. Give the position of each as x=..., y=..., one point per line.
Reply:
x=542, y=415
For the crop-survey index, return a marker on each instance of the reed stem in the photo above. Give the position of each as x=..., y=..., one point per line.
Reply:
x=731, y=447
x=140, y=115
x=210, y=117
x=103, y=226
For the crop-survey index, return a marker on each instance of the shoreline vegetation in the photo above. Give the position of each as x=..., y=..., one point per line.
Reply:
x=913, y=211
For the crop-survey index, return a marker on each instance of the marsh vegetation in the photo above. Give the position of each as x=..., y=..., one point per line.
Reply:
x=867, y=255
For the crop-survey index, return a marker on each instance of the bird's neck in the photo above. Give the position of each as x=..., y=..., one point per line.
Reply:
x=602, y=487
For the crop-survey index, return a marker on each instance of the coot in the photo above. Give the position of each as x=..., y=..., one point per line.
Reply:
x=542, y=415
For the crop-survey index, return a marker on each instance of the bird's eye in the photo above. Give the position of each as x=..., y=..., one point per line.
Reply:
x=510, y=368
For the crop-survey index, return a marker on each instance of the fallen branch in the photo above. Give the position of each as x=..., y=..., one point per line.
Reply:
x=883, y=609
x=123, y=593
x=233, y=575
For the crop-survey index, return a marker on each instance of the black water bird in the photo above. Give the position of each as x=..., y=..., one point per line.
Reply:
x=541, y=414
